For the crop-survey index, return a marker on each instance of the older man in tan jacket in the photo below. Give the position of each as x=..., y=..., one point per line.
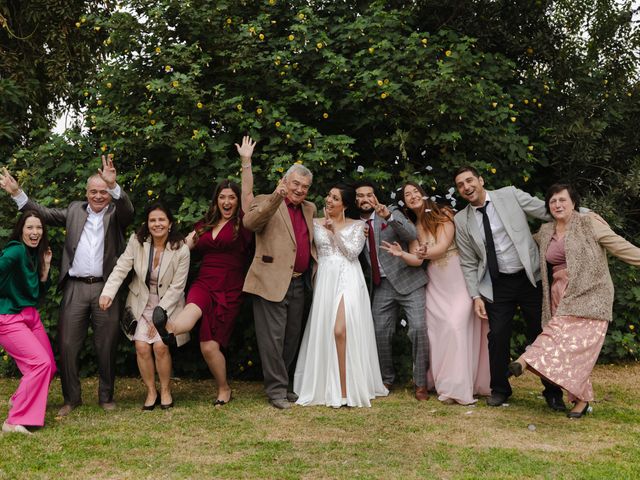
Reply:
x=285, y=256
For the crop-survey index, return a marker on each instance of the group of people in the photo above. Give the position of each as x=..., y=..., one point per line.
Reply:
x=457, y=279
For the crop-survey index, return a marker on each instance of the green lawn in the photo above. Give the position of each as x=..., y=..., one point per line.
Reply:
x=396, y=438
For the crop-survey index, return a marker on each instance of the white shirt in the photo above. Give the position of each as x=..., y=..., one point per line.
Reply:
x=87, y=261
x=508, y=259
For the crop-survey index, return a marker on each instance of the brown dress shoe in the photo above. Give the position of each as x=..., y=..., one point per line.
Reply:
x=109, y=406
x=421, y=393
x=66, y=409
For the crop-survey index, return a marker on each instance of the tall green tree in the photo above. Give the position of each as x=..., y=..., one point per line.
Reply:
x=528, y=92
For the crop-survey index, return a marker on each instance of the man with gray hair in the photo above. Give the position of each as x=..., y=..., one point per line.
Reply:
x=284, y=259
x=94, y=240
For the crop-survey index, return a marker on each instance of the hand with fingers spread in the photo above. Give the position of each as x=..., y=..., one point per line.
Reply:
x=8, y=183
x=381, y=209
x=245, y=150
x=108, y=171
x=393, y=248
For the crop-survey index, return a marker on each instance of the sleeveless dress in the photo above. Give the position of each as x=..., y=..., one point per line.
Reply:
x=317, y=376
x=217, y=290
x=145, y=331
x=458, y=345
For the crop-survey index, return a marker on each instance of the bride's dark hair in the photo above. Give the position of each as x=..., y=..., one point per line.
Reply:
x=348, y=197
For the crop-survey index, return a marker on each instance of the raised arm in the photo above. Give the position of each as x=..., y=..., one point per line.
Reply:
x=245, y=150
x=614, y=243
x=532, y=206
x=263, y=208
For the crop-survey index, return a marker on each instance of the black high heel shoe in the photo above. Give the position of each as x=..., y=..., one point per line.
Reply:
x=159, y=319
x=580, y=414
x=148, y=408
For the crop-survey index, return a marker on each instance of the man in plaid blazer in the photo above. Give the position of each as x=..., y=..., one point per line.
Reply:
x=393, y=285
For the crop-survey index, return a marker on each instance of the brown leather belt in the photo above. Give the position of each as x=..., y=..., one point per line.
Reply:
x=88, y=280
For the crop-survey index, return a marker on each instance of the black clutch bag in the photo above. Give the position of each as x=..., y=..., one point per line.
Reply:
x=128, y=323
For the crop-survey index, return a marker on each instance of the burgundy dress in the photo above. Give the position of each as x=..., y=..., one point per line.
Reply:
x=217, y=290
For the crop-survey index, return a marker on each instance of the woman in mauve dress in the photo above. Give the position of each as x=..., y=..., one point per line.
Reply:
x=577, y=307
x=216, y=294
x=458, y=346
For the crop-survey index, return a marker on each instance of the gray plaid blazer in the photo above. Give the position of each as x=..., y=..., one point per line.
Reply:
x=403, y=278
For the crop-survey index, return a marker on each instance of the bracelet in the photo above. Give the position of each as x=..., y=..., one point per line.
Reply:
x=246, y=166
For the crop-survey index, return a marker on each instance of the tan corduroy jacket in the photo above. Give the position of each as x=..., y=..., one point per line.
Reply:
x=272, y=267
x=174, y=269
x=590, y=290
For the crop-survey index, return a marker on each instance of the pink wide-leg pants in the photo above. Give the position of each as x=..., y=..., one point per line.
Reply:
x=23, y=336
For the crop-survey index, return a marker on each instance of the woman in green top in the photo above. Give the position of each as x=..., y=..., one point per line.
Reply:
x=24, y=277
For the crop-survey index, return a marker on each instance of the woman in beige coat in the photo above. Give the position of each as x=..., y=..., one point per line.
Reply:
x=577, y=307
x=160, y=262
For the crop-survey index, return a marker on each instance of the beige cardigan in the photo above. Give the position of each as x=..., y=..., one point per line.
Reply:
x=590, y=290
x=172, y=279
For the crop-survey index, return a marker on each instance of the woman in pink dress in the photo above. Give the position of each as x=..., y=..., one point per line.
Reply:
x=459, y=356
x=578, y=306
x=216, y=295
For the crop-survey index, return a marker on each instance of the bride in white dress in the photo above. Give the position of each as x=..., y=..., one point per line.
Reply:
x=338, y=361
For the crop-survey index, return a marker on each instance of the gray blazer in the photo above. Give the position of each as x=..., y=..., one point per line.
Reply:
x=403, y=278
x=513, y=206
x=118, y=216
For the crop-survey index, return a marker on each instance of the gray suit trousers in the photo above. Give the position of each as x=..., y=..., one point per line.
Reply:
x=278, y=329
x=385, y=308
x=79, y=308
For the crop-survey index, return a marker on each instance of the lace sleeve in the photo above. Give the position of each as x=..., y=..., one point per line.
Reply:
x=350, y=240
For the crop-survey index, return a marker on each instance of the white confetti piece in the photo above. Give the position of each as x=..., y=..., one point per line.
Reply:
x=448, y=196
x=425, y=197
x=401, y=203
x=531, y=427
x=468, y=412
x=403, y=322
x=393, y=195
x=429, y=168
x=427, y=210
x=451, y=190
x=433, y=199
x=360, y=169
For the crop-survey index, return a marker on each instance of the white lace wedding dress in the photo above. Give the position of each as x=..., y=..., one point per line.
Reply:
x=317, y=378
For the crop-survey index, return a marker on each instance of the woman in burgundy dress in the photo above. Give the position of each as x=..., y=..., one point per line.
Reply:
x=216, y=294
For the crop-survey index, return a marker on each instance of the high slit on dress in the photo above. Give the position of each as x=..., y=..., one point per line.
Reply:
x=339, y=277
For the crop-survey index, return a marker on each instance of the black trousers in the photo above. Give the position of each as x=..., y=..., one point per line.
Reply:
x=511, y=291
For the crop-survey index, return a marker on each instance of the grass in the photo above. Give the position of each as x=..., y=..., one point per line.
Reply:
x=396, y=438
